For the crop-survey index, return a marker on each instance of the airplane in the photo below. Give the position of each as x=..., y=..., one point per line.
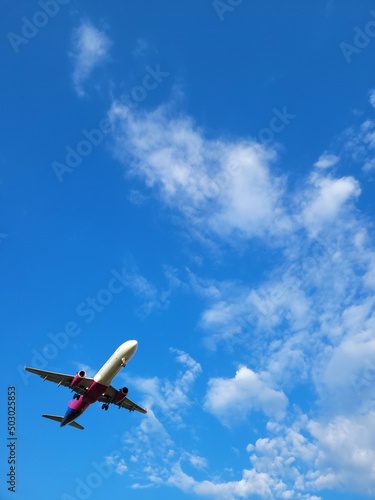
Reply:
x=89, y=390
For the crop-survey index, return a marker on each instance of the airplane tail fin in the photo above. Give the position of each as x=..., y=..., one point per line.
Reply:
x=60, y=419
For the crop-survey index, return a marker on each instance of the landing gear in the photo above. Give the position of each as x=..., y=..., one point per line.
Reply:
x=105, y=406
x=75, y=396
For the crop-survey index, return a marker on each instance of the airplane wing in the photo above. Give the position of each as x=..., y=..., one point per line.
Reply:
x=62, y=379
x=84, y=384
x=128, y=404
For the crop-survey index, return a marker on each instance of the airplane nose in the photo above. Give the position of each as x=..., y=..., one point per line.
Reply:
x=133, y=344
x=128, y=349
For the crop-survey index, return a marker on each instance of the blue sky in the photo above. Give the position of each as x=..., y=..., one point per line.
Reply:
x=213, y=160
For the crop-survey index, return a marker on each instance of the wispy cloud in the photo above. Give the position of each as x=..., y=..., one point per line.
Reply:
x=167, y=401
x=152, y=299
x=372, y=97
x=90, y=49
x=356, y=144
x=119, y=464
x=171, y=397
x=327, y=160
x=220, y=187
x=225, y=187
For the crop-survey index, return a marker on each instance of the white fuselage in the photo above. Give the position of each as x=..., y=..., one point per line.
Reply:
x=117, y=361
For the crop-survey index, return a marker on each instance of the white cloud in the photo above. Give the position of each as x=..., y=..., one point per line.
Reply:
x=232, y=399
x=225, y=187
x=171, y=396
x=327, y=160
x=369, y=165
x=354, y=145
x=147, y=443
x=372, y=97
x=121, y=467
x=153, y=452
x=90, y=49
x=359, y=143
x=237, y=310
x=317, y=455
x=300, y=460
x=369, y=277
x=287, y=360
x=152, y=298
x=345, y=380
x=346, y=453
x=252, y=483
x=229, y=188
x=328, y=196
x=197, y=461
x=118, y=463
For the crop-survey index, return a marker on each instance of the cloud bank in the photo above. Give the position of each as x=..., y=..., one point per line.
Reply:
x=305, y=325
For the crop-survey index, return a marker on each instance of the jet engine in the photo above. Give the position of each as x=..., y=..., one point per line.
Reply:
x=78, y=377
x=121, y=395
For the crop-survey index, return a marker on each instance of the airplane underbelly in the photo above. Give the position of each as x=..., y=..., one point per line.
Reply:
x=108, y=372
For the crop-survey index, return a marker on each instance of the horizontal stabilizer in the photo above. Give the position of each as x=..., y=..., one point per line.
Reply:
x=77, y=426
x=54, y=417
x=60, y=419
